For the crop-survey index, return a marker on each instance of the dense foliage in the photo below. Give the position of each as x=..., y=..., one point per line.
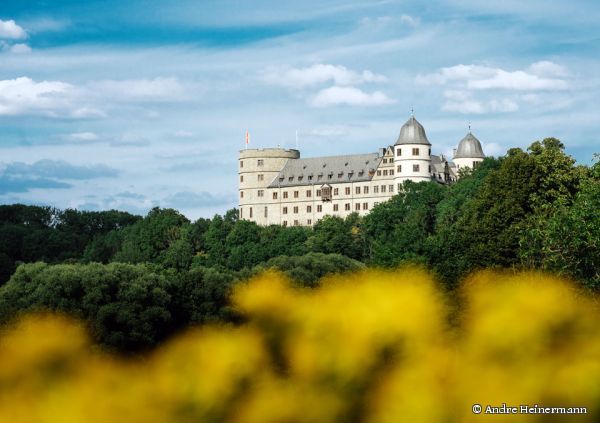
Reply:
x=533, y=209
x=341, y=353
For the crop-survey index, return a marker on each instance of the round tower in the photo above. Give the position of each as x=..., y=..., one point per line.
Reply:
x=412, y=155
x=469, y=152
x=257, y=168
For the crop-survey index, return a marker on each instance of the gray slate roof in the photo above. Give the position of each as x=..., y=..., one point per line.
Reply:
x=327, y=170
x=469, y=147
x=412, y=132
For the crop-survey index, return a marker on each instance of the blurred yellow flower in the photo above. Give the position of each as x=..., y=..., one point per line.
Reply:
x=377, y=346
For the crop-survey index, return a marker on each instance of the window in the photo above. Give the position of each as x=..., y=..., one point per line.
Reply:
x=318, y=193
x=296, y=223
x=399, y=152
x=347, y=191
x=274, y=196
x=241, y=194
x=399, y=168
x=383, y=188
x=379, y=173
x=415, y=168
x=415, y=151
x=390, y=188
x=295, y=209
x=365, y=206
x=399, y=187
x=308, y=193
x=385, y=172
x=474, y=165
x=308, y=209
x=347, y=206
x=357, y=206
x=429, y=168
x=296, y=194
x=384, y=160
x=261, y=193
x=310, y=177
x=261, y=177
x=335, y=207
x=357, y=190
x=391, y=160
x=285, y=194
x=336, y=191
x=376, y=189
x=241, y=213
x=241, y=163
x=261, y=162
x=266, y=211
x=241, y=178
x=430, y=151
x=392, y=172
x=285, y=210
x=319, y=208
x=366, y=190
x=250, y=212
x=284, y=223
x=326, y=194
x=309, y=221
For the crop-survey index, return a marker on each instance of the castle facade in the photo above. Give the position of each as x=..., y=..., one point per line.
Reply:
x=278, y=187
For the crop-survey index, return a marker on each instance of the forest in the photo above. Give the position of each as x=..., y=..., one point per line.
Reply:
x=138, y=280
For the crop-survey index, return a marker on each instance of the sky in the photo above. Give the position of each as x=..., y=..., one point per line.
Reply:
x=133, y=104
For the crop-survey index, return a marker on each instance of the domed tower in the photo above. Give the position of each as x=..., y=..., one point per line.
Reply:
x=469, y=152
x=257, y=168
x=412, y=153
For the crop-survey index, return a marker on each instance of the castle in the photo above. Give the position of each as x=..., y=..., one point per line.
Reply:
x=277, y=187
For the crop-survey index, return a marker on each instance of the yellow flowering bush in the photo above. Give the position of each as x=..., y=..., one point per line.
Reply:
x=371, y=346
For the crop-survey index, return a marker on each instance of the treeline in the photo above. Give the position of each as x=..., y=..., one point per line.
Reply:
x=533, y=209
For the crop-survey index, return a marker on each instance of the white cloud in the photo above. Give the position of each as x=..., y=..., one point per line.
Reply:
x=319, y=74
x=350, y=96
x=328, y=131
x=11, y=31
x=387, y=21
x=83, y=136
x=183, y=134
x=25, y=96
x=539, y=76
x=518, y=81
x=547, y=68
x=409, y=20
x=20, y=48
x=157, y=89
x=463, y=102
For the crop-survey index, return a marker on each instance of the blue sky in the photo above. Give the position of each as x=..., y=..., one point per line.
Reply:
x=134, y=104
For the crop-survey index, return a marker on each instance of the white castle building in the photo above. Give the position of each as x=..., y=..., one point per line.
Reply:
x=278, y=187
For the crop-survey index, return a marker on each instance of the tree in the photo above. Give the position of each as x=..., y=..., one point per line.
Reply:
x=568, y=241
x=332, y=234
x=147, y=239
x=397, y=230
x=307, y=270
